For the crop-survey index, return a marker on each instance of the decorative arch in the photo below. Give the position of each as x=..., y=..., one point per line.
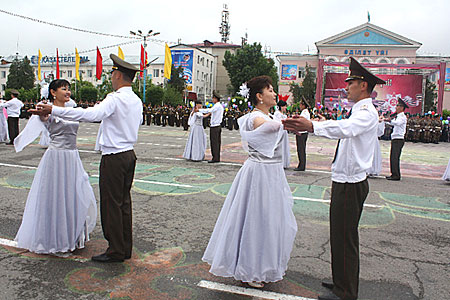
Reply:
x=366, y=60
x=383, y=60
x=331, y=59
x=401, y=60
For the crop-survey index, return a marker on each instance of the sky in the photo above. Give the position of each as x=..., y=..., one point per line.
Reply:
x=281, y=26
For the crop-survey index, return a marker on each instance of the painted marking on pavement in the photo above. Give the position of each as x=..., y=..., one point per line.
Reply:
x=328, y=201
x=157, y=182
x=89, y=151
x=9, y=243
x=247, y=291
x=18, y=166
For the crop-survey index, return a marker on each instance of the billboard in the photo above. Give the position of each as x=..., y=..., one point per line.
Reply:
x=407, y=87
x=288, y=72
x=185, y=59
x=447, y=76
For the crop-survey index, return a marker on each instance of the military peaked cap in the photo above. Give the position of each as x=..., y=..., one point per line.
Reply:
x=402, y=103
x=359, y=72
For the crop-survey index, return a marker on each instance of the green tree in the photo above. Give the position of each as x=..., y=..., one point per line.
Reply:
x=296, y=90
x=249, y=62
x=88, y=93
x=20, y=75
x=172, y=96
x=177, y=81
x=105, y=87
x=155, y=95
x=77, y=85
x=309, y=86
x=430, y=96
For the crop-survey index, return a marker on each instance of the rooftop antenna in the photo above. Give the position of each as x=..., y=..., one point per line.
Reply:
x=245, y=38
x=225, y=25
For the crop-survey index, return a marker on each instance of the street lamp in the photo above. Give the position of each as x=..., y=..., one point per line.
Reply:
x=145, y=37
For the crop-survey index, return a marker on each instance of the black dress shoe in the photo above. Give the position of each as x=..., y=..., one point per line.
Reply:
x=103, y=258
x=328, y=284
x=392, y=178
x=213, y=161
x=329, y=296
x=299, y=169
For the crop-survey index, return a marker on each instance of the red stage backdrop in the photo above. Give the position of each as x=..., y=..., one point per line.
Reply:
x=408, y=87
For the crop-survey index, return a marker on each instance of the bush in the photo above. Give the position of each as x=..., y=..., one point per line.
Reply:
x=445, y=114
x=172, y=97
x=88, y=94
x=154, y=95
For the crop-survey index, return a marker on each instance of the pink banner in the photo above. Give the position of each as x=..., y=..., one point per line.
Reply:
x=407, y=87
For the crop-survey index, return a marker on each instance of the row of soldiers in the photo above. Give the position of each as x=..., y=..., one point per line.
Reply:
x=166, y=115
x=423, y=128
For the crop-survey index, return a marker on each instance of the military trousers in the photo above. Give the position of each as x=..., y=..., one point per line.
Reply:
x=396, y=152
x=301, y=150
x=215, y=140
x=13, y=128
x=347, y=200
x=116, y=179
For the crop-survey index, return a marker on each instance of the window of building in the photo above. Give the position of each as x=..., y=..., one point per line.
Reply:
x=198, y=75
x=207, y=63
x=3, y=87
x=401, y=61
x=383, y=61
x=198, y=59
x=89, y=73
x=61, y=74
x=3, y=74
x=69, y=73
x=365, y=61
x=156, y=73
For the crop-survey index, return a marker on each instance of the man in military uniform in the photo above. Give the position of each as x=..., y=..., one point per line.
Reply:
x=171, y=116
x=164, y=113
x=437, y=127
x=397, y=139
x=148, y=115
x=229, y=119
x=353, y=157
x=185, y=118
x=178, y=116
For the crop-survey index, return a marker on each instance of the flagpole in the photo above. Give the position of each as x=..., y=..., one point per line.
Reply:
x=144, y=36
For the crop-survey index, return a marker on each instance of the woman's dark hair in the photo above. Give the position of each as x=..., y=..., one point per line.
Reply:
x=198, y=102
x=256, y=85
x=56, y=84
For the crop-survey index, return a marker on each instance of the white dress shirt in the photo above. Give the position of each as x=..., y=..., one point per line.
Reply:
x=305, y=114
x=121, y=115
x=216, y=114
x=358, y=135
x=399, y=123
x=13, y=107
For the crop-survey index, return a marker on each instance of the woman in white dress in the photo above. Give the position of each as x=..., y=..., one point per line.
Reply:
x=61, y=210
x=255, y=231
x=196, y=144
x=375, y=170
x=446, y=175
x=3, y=125
x=280, y=114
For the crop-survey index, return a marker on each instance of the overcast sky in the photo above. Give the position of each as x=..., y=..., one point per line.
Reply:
x=284, y=26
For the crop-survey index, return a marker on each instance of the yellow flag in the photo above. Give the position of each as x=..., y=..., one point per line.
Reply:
x=39, y=64
x=168, y=63
x=77, y=64
x=121, y=54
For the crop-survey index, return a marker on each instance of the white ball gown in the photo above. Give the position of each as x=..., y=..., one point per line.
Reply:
x=61, y=210
x=286, y=147
x=255, y=231
x=196, y=144
x=446, y=175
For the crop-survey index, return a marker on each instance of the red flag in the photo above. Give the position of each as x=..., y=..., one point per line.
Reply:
x=57, y=64
x=99, y=69
x=142, y=64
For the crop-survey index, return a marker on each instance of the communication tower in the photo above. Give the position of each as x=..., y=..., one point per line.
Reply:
x=225, y=25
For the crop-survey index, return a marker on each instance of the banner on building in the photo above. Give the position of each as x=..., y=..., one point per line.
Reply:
x=185, y=59
x=447, y=76
x=407, y=87
x=288, y=72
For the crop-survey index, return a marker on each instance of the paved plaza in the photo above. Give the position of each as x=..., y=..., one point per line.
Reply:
x=404, y=232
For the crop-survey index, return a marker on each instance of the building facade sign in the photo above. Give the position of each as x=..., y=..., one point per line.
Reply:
x=62, y=59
